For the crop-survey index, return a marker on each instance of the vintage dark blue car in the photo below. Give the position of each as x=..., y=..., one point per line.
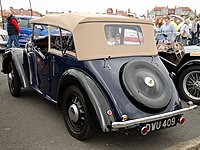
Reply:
x=104, y=71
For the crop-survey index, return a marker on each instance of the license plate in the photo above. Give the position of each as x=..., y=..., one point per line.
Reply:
x=161, y=124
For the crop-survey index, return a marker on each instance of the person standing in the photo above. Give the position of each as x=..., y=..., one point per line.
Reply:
x=13, y=31
x=174, y=24
x=158, y=30
x=169, y=30
x=198, y=31
x=194, y=31
x=184, y=33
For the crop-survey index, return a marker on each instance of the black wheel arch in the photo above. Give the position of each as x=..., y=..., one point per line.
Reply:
x=91, y=91
x=187, y=63
x=65, y=82
x=6, y=65
x=7, y=58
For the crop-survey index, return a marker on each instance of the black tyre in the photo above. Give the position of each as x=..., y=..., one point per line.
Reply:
x=76, y=114
x=14, y=81
x=189, y=84
x=146, y=85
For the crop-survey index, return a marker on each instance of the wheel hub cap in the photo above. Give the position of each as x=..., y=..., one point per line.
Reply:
x=73, y=113
x=10, y=77
x=149, y=81
x=197, y=84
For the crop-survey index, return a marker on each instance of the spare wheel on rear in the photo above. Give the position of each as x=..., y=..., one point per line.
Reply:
x=146, y=84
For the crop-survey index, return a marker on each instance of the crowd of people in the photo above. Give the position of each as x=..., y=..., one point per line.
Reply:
x=166, y=30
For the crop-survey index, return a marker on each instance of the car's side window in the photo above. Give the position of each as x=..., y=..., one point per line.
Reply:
x=61, y=40
x=41, y=41
x=39, y=27
x=124, y=35
x=55, y=38
x=23, y=22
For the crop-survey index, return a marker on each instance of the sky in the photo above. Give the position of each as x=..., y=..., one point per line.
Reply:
x=137, y=6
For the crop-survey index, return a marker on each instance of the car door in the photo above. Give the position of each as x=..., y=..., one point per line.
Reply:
x=39, y=64
x=61, y=42
x=49, y=63
x=43, y=73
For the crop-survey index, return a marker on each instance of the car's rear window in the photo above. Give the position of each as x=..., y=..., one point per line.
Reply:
x=124, y=35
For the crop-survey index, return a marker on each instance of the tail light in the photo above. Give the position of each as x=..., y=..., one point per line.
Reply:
x=182, y=120
x=144, y=130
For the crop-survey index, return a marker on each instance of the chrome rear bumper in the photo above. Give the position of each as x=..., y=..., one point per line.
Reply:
x=129, y=123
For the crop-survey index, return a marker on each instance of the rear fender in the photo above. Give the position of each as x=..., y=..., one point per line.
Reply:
x=96, y=96
x=6, y=63
x=15, y=55
x=188, y=63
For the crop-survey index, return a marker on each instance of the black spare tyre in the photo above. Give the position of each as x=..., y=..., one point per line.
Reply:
x=146, y=85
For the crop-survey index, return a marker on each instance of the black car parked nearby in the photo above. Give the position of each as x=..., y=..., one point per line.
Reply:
x=184, y=63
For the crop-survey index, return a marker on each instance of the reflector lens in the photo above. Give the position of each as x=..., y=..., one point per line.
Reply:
x=144, y=131
x=124, y=117
x=182, y=120
x=190, y=103
x=109, y=112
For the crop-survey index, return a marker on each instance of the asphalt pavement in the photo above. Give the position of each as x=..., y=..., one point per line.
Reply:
x=32, y=123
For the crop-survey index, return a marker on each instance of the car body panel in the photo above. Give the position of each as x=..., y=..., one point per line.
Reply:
x=16, y=56
x=97, y=72
x=95, y=94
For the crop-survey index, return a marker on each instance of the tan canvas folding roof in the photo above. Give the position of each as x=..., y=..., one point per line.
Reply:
x=69, y=21
x=89, y=34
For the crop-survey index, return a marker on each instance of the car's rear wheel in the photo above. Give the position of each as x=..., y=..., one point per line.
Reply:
x=14, y=81
x=189, y=84
x=76, y=114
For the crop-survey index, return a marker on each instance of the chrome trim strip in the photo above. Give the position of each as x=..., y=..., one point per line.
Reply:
x=30, y=71
x=151, y=118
